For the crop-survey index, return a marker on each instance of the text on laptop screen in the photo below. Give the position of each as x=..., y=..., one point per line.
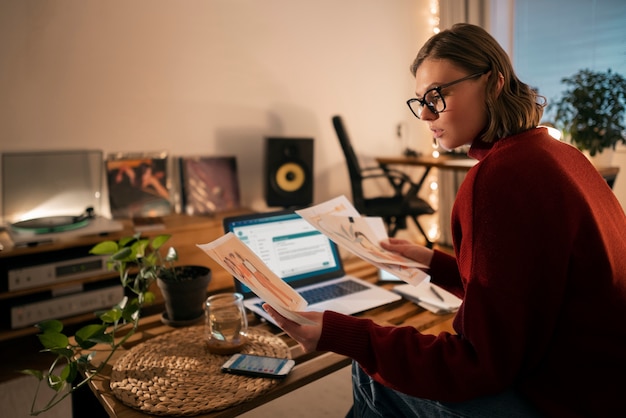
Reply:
x=288, y=245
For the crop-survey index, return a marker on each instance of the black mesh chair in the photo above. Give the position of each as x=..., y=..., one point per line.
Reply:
x=395, y=208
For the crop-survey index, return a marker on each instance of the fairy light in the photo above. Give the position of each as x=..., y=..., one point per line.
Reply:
x=433, y=19
x=432, y=228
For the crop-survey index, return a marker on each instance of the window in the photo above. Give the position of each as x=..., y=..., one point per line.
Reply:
x=556, y=38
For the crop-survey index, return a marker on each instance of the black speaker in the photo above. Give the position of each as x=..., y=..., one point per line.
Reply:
x=289, y=172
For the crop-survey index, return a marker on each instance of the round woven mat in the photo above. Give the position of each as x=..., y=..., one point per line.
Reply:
x=174, y=374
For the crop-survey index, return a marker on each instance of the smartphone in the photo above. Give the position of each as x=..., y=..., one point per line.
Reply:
x=260, y=366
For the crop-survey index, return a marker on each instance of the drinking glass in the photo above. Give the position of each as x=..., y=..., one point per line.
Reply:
x=226, y=323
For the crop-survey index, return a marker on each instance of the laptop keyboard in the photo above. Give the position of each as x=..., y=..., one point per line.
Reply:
x=332, y=291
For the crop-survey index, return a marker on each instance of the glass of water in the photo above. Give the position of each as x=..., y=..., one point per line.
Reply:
x=226, y=323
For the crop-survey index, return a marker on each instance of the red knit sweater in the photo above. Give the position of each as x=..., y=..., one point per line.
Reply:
x=540, y=243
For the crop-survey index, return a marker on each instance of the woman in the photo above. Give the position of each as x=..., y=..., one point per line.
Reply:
x=540, y=244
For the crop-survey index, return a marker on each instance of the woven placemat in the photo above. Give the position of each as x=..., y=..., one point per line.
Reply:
x=174, y=374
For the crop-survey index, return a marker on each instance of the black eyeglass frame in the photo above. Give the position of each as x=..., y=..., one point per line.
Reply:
x=438, y=89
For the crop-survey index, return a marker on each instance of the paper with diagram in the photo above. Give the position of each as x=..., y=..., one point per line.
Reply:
x=342, y=223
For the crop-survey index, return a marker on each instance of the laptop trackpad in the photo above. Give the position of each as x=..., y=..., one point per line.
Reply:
x=355, y=303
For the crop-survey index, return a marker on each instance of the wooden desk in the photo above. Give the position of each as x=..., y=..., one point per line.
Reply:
x=309, y=367
x=463, y=163
x=451, y=162
x=609, y=174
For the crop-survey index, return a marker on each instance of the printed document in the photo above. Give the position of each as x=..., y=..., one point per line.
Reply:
x=342, y=223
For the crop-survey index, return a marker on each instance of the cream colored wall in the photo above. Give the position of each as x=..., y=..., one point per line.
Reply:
x=211, y=77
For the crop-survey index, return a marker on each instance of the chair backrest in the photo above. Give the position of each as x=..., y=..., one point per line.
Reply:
x=354, y=168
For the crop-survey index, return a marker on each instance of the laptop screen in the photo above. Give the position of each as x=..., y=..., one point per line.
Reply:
x=294, y=250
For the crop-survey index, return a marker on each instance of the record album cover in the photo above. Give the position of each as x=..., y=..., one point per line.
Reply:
x=210, y=184
x=138, y=185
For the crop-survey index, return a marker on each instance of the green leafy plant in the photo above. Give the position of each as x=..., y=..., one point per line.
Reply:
x=591, y=111
x=139, y=262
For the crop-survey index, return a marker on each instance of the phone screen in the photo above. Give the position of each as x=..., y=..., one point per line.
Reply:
x=258, y=365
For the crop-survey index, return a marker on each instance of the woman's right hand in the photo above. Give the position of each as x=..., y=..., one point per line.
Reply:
x=409, y=249
x=306, y=335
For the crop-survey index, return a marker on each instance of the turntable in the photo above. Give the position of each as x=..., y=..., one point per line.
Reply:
x=53, y=195
x=58, y=228
x=51, y=224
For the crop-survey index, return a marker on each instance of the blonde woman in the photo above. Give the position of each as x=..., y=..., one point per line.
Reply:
x=540, y=243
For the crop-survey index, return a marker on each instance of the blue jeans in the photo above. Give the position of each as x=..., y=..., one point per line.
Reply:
x=373, y=400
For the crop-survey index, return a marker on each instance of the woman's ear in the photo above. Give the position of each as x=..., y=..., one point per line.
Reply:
x=499, y=84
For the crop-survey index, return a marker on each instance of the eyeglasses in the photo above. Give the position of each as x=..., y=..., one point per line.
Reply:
x=433, y=99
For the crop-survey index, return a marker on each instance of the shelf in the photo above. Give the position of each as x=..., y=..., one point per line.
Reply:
x=186, y=231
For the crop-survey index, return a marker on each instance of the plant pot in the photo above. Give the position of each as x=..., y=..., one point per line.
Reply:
x=185, y=297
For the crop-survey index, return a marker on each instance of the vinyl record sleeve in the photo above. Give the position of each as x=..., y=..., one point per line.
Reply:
x=210, y=184
x=138, y=185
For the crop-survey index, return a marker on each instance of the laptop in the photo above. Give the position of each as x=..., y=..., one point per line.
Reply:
x=307, y=260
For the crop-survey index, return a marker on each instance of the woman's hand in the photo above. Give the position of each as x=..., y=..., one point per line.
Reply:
x=408, y=249
x=306, y=335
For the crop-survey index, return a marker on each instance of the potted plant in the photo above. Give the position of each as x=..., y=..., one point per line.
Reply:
x=139, y=263
x=591, y=110
x=184, y=291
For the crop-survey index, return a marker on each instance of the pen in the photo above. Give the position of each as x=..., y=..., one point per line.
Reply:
x=432, y=289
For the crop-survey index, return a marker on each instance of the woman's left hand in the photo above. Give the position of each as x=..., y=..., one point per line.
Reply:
x=306, y=335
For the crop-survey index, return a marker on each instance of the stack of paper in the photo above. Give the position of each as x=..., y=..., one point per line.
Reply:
x=429, y=296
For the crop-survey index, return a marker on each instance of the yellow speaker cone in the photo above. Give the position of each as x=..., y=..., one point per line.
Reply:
x=290, y=177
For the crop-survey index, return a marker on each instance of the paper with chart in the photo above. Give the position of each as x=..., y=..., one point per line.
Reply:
x=342, y=223
x=240, y=261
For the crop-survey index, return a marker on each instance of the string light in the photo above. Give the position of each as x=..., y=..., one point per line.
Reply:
x=433, y=229
x=434, y=15
x=433, y=20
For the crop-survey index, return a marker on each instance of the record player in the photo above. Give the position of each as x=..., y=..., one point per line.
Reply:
x=53, y=195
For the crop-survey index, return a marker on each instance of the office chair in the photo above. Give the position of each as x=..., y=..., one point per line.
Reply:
x=393, y=209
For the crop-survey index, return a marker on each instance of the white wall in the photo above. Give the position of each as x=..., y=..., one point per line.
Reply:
x=211, y=77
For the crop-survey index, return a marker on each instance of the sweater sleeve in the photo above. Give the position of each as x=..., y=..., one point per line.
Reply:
x=401, y=357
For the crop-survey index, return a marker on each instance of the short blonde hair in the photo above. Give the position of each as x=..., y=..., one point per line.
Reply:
x=517, y=108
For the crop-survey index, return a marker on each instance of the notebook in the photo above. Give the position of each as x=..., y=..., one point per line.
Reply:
x=307, y=260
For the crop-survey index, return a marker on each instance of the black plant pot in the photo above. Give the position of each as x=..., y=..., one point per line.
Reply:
x=184, y=298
